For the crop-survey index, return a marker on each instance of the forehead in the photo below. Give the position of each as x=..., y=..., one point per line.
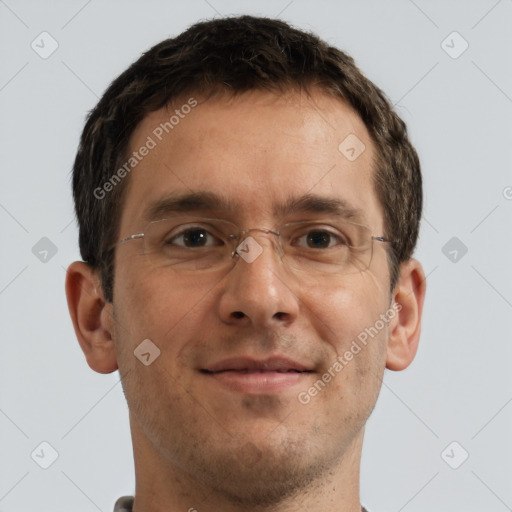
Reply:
x=257, y=151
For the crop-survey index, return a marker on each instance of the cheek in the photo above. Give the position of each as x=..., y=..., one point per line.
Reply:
x=167, y=315
x=348, y=318
x=155, y=307
x=340, y=313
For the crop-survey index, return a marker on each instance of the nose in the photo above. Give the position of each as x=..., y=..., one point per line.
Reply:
x=259, y=291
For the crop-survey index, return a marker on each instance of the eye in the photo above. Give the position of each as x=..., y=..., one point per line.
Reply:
x=192, y=237
x=320, y=239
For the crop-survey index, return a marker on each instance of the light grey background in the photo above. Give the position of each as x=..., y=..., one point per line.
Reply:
x=459, y=113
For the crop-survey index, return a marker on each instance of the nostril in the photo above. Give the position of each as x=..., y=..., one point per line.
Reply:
x=238, y=314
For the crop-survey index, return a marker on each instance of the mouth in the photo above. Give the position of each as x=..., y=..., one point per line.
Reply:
x=249, y=376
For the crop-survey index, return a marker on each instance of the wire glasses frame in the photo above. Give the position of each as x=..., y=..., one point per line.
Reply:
x=165, y=243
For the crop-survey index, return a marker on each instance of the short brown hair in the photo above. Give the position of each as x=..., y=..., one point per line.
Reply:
x=234, y=55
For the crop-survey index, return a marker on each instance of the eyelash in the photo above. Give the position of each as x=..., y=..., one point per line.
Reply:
x=341, y=239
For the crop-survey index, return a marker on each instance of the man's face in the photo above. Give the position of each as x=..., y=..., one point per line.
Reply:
x=244, y=432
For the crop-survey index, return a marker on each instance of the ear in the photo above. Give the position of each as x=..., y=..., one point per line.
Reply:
x=405, y=327
x=92, y=317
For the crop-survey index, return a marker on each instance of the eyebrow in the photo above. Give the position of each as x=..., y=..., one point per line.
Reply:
x=211, y=203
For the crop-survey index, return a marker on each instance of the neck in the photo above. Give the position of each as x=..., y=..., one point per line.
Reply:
x=162, y=486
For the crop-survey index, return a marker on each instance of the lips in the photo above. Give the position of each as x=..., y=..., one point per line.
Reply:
x=252, y=377
x=248, y=365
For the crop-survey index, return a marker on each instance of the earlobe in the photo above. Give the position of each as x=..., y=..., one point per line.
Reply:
x=405, y=327
x=92, y=317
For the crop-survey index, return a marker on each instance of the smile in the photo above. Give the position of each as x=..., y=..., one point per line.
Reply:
x=245, y=375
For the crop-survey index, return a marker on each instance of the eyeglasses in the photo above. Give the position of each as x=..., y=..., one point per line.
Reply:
x=197, y=244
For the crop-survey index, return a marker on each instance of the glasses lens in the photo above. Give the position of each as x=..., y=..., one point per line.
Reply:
x=187, y=243
x=314, y=248
x=327, y=247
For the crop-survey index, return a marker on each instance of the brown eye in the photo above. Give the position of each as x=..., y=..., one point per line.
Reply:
x=192, y=238
x=320, y=239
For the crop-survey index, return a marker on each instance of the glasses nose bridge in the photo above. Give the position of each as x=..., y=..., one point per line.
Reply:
x=245, y=233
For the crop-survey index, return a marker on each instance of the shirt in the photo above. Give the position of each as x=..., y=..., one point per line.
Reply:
x=125, y=504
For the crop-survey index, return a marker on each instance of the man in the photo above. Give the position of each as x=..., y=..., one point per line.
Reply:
x=248, y=205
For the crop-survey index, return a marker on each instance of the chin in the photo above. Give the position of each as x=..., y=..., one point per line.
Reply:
x=261, y=475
